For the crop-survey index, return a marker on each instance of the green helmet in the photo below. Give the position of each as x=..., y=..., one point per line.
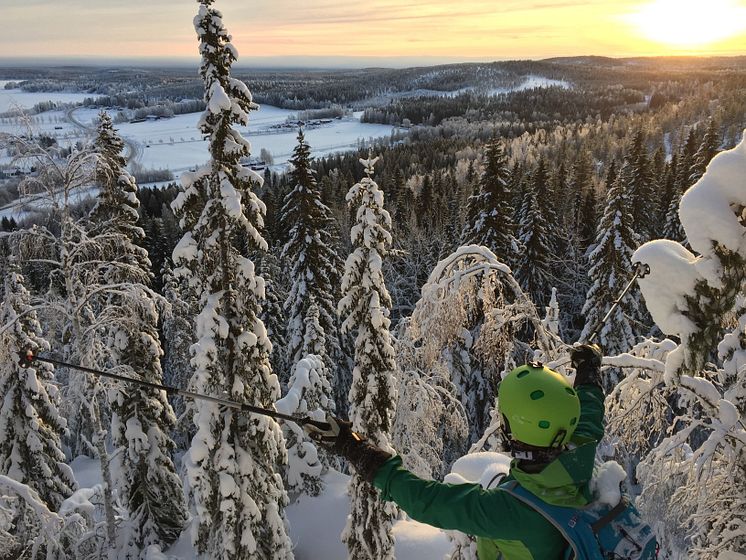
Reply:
x=541, y=407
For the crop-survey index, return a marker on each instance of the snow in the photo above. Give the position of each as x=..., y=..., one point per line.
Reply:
x=177, y=144
x=219, y=100
x=729, y=416
x=15, y=98
x=673, y=275
x=87, y=471
x=316, y=523
x=445, y=274
x=533, y=82
x=707, y=209
x=529, y=82
x=606, y=481
x=484, y=467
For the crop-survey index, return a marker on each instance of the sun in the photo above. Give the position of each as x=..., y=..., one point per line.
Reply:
x=690, y=23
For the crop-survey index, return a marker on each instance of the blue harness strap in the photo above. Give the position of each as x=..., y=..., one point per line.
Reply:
x=564, y=519
x=594, y=532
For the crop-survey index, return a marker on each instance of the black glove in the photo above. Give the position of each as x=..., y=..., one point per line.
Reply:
x=586, y=359
x=341, y=440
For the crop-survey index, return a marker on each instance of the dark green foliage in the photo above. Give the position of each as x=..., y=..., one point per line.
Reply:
x=489, y=219
x=311, y=252
x=533, y=263
x=641, y=189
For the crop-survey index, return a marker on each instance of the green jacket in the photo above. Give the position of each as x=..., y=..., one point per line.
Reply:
x=502, y=524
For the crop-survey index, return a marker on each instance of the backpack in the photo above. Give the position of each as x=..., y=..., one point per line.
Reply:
x=596, y=531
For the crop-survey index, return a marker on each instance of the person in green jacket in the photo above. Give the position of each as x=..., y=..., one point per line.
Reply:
x=553, y=429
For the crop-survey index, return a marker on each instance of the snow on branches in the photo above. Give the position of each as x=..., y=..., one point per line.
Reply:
x=699, y=470
x=30, y=423
x=309, y=394
x=365, y=306
x=235, y=491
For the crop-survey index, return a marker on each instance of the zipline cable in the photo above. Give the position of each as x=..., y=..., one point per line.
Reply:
x=30, y=358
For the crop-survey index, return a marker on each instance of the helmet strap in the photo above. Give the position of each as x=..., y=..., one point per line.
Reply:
x=558, y=438
x=533, y=454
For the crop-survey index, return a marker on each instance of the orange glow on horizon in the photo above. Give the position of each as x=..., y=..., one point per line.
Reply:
x=690, y=24
x=471, y=29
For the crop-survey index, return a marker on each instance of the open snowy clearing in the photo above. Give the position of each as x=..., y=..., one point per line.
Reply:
x=530, y=82
x=177, y=145
x=316, y=523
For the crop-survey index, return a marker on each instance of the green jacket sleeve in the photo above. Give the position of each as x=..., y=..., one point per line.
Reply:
x=591, y=423
x=462, y=507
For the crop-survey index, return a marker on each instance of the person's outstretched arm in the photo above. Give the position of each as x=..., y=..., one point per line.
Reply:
x=586, y=359
x=462, y=507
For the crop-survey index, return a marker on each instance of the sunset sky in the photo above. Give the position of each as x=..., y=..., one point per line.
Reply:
x=436, y=29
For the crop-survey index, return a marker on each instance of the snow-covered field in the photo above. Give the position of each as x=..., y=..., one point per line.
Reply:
x=176, y=143
x=532, y=82
x=15, y=98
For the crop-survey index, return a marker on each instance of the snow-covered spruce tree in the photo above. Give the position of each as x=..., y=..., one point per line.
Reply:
x=365, y=306
x=640, y=188
x=489, y=219
x=149, y=488
x=611, y=268
x=73, y=310
x=708, y=149
x=235, y=491
x=30, y=423
x=682, y=180
x=582, y=187
x=273, y=311
x=178, y=319
x=533, y=264
x=309, y=393
x=698, y=473
x=310, y=249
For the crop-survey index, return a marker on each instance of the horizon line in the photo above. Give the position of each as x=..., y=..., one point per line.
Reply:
x=313, y=61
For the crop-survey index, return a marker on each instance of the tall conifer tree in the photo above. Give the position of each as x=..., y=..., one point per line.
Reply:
x=310, y=250
x=235, y=490
x=489, y=219
x=708, y=149
x=30, y=423
x=365, y=307
x=149, y=487
x=533, y=264
x=611, y=268
x=640, y=188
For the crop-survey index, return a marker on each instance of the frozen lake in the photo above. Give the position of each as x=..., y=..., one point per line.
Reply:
x=16, y=98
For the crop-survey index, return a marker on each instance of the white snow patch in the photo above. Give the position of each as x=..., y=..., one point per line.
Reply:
x=710, y=210
x=605, y=484
x=484, y=468
x=673, y=275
